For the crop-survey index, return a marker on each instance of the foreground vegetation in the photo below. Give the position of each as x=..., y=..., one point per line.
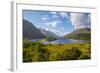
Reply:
x=37, y=52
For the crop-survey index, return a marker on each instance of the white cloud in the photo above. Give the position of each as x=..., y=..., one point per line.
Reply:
x=80, y=20
x=45, y=17
x=57, y=14
x=53, y=12
x=46, y=29
x=63, y=14
x=53, y=23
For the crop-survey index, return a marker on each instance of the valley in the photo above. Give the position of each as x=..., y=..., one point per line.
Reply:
x=42, y=45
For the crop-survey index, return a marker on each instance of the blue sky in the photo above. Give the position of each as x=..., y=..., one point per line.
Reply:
x=60, y=23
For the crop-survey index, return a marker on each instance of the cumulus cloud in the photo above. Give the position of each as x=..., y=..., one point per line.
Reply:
x=80, y=20
x=54, y=14
x=53, y=23
x=45, y=17
x=63, y=14
x=57, y=14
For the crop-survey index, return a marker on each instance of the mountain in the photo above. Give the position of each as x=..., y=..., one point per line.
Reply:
x=82, y=34
x=30, y=31
x=48, y=33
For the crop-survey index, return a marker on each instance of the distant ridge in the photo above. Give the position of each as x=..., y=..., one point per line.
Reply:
x=82, y=33
x=48, y=33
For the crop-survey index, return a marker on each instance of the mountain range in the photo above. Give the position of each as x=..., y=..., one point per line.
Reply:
x=32, y=32
x=47, y=33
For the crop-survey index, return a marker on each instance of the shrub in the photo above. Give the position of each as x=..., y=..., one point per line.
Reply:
x=84, y=57
x=56, y=56
x=72, y=54
x=37, y=52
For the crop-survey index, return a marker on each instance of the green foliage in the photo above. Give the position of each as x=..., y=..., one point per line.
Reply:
x=34, y=52
x=72, y=54
x=37, y=52
x=50, y=38
x=82, y=34
x=84, y=57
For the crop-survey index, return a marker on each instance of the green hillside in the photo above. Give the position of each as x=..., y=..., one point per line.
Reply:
x=82, y=34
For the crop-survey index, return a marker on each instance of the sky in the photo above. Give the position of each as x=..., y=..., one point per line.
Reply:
x=60, y=23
